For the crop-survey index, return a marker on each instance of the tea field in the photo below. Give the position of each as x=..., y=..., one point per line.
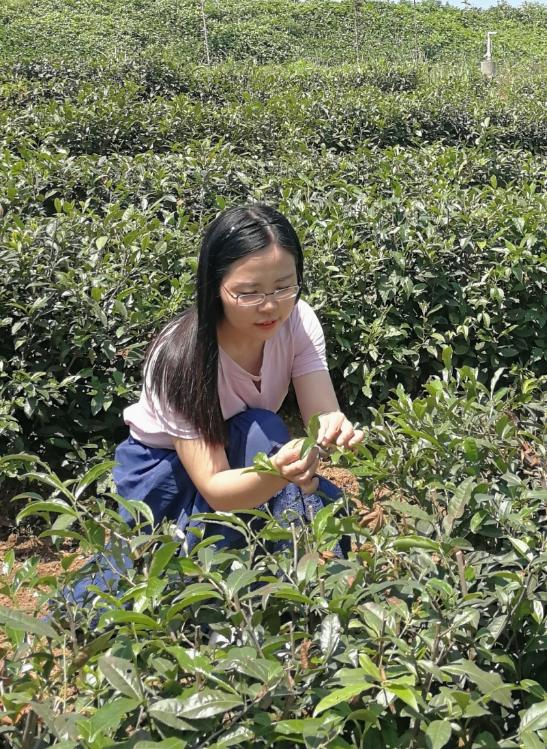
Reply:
x=418, y=190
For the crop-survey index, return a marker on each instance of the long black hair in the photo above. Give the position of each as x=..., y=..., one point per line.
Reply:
x=181, y=365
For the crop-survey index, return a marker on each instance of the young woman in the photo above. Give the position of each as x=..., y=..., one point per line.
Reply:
x=215, y=377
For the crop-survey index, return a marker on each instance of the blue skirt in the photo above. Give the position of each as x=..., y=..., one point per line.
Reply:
x=157, y=477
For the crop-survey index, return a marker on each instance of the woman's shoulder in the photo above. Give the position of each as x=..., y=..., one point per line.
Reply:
x=303, y=316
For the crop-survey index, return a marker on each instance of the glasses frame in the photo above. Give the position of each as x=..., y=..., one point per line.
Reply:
x=237, y=297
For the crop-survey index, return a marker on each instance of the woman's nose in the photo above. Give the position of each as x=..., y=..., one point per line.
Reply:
x=270, y=302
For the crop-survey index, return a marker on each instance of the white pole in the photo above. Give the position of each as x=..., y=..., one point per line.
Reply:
x=489, y=35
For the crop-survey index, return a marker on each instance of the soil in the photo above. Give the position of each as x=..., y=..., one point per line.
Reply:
x=49, y=558
x=26, y=546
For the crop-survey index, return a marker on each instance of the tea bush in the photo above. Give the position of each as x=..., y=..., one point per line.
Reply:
x=445, y=240
x=432, y=633
x=274, y=30
x=418, y=192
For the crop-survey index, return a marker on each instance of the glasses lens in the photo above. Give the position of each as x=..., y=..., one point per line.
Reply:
x=249, y=300
x=289, y=293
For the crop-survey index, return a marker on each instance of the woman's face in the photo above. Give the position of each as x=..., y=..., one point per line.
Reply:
x=263, y=271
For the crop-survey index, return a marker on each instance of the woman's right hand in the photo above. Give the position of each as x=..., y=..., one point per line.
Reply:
x=297, y=470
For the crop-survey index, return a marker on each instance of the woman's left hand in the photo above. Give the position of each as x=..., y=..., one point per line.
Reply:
x=335, y=429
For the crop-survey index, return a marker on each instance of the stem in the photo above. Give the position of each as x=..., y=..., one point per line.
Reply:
x=461, y=570
x=205, y=36
x=30, y=730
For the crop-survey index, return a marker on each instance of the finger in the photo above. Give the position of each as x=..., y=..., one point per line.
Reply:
x=311, y=459
x=358, y=436
x=323, y=423
x=290, y=452
x=346, y=433
x=311, y=487
x=306, y=476
x=297, y=469
x=333, y=428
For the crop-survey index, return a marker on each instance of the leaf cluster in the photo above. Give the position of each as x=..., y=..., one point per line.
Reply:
x=431, y=633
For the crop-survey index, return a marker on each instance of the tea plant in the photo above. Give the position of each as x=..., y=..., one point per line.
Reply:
x=432, y=633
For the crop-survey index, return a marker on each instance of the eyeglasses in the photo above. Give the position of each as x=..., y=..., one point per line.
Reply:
x=252, y=300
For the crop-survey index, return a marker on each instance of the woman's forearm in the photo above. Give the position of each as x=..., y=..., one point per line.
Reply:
x=233, y=490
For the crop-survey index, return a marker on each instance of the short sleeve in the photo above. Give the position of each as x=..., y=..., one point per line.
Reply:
x=309, y=342
x=171, y=424
x=164, y=417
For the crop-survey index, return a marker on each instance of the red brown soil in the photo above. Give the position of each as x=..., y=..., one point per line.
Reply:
x=343, y=478
x=49, y=564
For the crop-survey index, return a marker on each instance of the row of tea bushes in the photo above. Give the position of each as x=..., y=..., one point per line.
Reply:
x=31, y=82
x=270, y=31
x=431, y=634
x=408, y=251
x=106, y=117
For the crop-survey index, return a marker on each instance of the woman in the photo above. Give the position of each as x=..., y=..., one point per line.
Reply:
x=216, y=376
x=214, y=379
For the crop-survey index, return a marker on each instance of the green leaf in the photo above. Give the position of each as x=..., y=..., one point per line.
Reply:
x=295, y=726
x=307, y=567
x=369, y=667
x=238, y=579
x=341, y=695
x=263, y=670
x=287, y=593
x=535, y=718
x=92, y=475
x=109, y=716
x=405, y=508
x=458, y=503
x=170, y=743
x=207, y=703
x=438, y=734
x=409, y=543
x=136, y=508
x=19, y=458
x=190, y=661
x=489, y=684
x=404, y=693
x=262, y=464
x=162, y=557
x=141, y=621
x=312, y=430
x=235, y=737
x=36, y=508
x=530, y=740
x=447, y=357
x=195, y=593
x=169, y=713
x=330, y=635
x=307, y=445
x=121, y=674
x=22, y=622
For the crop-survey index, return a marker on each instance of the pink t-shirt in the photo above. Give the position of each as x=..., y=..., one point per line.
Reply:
x=298, y=348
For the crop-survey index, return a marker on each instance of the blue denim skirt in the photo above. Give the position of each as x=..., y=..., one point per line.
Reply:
x=156, y=476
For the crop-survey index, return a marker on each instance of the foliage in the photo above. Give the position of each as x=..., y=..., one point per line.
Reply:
x=432, y=198
x=417, y=190
x=432, y=632
x=272, y=30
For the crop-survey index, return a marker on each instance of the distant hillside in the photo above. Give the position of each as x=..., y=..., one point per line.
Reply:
x=266, y=30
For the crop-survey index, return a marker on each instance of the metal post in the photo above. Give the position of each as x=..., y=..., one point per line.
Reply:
x=488, y=66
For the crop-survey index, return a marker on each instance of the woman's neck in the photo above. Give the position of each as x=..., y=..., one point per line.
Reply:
x=248, y=354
